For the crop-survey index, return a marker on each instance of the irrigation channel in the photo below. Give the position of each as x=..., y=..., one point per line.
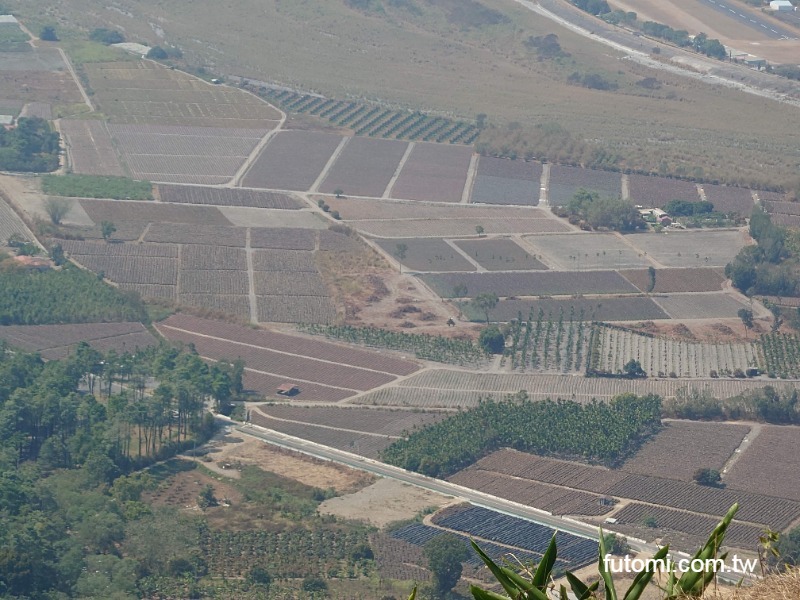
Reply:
x=476, y=498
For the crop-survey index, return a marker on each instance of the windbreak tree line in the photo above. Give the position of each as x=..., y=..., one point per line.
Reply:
x=600, y=432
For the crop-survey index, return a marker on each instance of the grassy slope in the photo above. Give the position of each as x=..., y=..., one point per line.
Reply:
x=425, y=61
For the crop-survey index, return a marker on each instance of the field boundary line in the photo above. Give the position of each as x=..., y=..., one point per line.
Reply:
x=453, y=245
x=749, y=438
x=330, y=362
x=390, y=186
x=329, y=165
x=625, y=187
x=544, y=185
x=251, y=159
x=77, y=81
x=466, y=194
x=321, y=426
x=638, y=250
x=251, y=277
x=279, y=375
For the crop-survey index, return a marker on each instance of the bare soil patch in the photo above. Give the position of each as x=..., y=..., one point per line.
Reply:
x=384, y=502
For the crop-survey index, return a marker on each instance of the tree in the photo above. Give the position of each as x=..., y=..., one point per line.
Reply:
x=479, y=230
x=616, y=544
x=492, y=340
x=486, y=302
x=789, y=547
x=157, y=53
x=705, y=476
x=57, y=209
x=48, y=34
x=106, y=36
x=460, y=290
x=746, y=315
x=206, y=498
x=107, y=229
x=314, y=584
x=338, y=192
x=259, y=576
x=651, y=273
x=400, y=252
x=633, y=370
x=57, y=255
x=445, y=554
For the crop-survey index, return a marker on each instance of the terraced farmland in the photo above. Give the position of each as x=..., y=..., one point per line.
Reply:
x=90, y=148
x=661, y=356
x=702, y=445
x=118, y=211
x=146, y=92
x=203, y=235
x=587, y=251
x=768, y=466
x=456, y=227
x=690, y=248
x=187, y=194
x=566, y=181
x=55, y=342
x=728, y=199
x=677, y=280
x=628, y=308
x=427, y=254
x=180, y=154
x=364, y=168
x=546, y=283
x=501, y=181
x=292, y=160
x=296, y=309
x=500, y=254
x=368, y=420
x=202, y=258
x=434, y=173
x=786, y=214
x=370, y=209
x=651, y=192
x=719, y=305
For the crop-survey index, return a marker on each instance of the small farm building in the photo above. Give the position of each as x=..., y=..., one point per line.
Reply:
x=781, y=5
x=288, y=389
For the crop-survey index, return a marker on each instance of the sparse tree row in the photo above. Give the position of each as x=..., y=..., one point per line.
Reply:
x=603, y=432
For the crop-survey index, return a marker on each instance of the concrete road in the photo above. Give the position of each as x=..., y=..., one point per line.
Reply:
x=762, y=24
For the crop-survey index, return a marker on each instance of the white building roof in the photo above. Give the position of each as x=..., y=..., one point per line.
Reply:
x=8, y=19
x=6, y=119
x=777, y=3
x=133, y=48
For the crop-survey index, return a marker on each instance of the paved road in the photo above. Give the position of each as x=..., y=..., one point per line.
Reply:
x=477, y=498
x=761, y=24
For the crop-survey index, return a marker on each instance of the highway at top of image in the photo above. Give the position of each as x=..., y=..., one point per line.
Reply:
x=766, y=26
x=475, y=497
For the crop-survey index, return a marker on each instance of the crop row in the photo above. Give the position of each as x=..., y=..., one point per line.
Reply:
x=375, y=121
x=520, y=533
x=296, y=309
x=549, y=344
x=781, y=354
x=187, y=194
x=666, y=357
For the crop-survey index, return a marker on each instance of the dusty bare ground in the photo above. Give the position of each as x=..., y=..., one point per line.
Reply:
x=695, y=17
x=701, y=330
x=232, y=451
x=181, y=490
x=26, y=194
x=384, y=502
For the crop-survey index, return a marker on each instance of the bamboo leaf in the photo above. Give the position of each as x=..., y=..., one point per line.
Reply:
x=545, y=569
x=611, y=592
x=642, y=579
x=580, y=589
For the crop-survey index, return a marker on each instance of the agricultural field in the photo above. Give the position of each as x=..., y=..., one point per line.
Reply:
x=628, y=308
x=457, y=227
x=189, y=194
x=441, y=388
x=226, y=282
x=132, y=269
x=182, y=154
x=140, y=92
x=549, y=342
x=656, y=192
x=587, y=251
x=500, y=254
x=502, y=181
x=364, y=168
x=272, y=218
x=367, y=420
x=371, y=209
x=398, y=559
x=785, y=214
x=655, y=518
x=781, y=354
x=556, y=500
x=715, y=305
x=118, y=211
x=36, y=85
x=677, y=280
x=201, y=258
x=728, y=199
x=690, y=248
x=435, y=173
x=542, y=283
x=180, y=233
x=509, y=531
x=43, y=110
x=614, y=347
x=55, y=342
x=361, y=443
x=296, y=309
x=566, y=181
x=702, y=445
x=10, y=224
x=769, y=464
x=122, y=250
x=373, y=121
x=90, y=148
x=293, y=160
x=426, y=254
x=265, y=386
x=295, y=261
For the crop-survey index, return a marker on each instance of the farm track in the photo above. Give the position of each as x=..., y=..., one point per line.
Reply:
x=471, y=172
x=251, y=279
x=343, y=429
x=387, y=193
x=76, y=79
